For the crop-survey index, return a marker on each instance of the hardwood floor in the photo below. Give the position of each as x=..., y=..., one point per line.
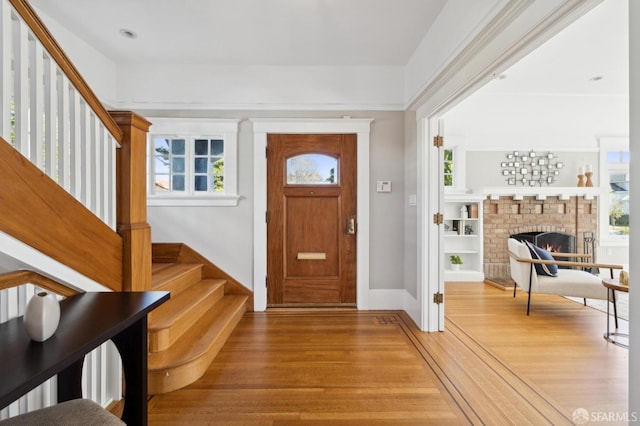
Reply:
x=493, y=365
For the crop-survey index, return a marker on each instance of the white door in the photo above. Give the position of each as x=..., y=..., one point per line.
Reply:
x=432, y=235
x=441, y=255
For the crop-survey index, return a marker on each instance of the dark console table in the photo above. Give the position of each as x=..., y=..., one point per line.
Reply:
x=86, y=321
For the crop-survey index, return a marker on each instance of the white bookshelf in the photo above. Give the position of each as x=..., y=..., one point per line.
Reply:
x=463, y=236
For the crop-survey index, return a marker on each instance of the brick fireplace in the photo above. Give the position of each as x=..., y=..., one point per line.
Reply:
x=506, y=216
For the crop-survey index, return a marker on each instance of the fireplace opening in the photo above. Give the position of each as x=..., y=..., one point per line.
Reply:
x=556, y=242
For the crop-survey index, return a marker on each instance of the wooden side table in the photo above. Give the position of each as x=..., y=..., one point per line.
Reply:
x=86, y=321
x=612, y=286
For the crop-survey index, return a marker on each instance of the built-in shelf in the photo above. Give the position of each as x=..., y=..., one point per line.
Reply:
x=463, y=236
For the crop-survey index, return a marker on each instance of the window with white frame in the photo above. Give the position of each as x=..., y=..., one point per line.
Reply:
x=453, y=165
x=192, y=162
x=614, y=178
x=448, y=167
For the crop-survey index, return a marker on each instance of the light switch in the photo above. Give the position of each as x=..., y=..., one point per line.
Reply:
x=413, y=201
x=383, y=186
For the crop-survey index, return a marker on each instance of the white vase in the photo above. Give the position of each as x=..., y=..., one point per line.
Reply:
x=455, y=267
x=42, y=316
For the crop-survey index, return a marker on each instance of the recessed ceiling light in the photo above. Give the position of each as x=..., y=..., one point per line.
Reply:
x=596, y=78
x=128, y=33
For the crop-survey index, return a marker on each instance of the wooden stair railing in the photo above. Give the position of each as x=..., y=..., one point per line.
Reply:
x=131, y=208
x=40, y=213
x=73, y=182
x=71, y=132
x=26, y=12
x=17, y=278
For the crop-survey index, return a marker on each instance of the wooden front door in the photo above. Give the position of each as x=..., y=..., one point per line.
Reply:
x=311, y=219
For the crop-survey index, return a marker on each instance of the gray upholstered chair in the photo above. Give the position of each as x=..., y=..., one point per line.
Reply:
x=76, y=412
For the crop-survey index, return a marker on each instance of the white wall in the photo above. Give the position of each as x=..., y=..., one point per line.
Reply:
x=483, y=169
x=387, y=209
x=199, y=86
x=225, y=234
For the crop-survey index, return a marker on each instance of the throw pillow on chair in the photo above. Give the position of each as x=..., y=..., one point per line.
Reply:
x=542, y=254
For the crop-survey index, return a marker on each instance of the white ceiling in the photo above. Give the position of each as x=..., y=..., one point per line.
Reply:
x=597, y=44
x=338, y=33
x=549, y=98
x=250, y=32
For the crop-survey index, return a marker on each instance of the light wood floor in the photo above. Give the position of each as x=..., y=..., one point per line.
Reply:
x=493, y=365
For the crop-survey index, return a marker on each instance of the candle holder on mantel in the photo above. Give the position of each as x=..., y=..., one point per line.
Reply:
x=589, y=182
x=581, y=180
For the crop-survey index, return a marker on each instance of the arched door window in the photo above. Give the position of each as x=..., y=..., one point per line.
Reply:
x=312, y=169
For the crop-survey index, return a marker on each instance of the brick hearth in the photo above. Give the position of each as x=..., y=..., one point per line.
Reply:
x=506, y=216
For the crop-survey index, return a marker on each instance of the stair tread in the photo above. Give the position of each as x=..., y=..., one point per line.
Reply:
x=201, y=337
x=169, y=313
x=164, y=273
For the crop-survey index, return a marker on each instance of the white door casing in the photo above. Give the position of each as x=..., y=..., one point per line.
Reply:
x=262, y=127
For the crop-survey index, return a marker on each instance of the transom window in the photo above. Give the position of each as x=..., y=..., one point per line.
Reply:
x=192, y=162
x=312, y=169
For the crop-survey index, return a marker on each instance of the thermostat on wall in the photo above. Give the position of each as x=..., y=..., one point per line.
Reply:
x=383, y=186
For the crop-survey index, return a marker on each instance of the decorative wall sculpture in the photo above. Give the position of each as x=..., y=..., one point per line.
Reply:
x=531, y=168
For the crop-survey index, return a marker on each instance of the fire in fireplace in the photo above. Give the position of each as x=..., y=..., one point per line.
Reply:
x=558, y=242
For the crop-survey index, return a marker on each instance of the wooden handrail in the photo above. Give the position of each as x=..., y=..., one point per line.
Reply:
x=17, y=278
x=26, y=12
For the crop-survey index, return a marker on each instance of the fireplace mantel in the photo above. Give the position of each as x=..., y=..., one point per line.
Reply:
x=541, y=193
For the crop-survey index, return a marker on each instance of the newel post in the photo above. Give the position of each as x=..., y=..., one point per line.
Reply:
x=131, y=165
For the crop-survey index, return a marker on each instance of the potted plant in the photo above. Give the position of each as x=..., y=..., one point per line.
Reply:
x=456, y=261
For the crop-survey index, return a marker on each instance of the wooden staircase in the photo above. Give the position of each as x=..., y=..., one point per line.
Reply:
x=187, y=332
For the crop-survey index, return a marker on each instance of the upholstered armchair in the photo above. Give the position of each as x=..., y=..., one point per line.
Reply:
x=535, y=271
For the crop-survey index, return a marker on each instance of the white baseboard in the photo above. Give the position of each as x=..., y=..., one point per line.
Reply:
x=395, y=300
x=413, y=309
x=386, y=300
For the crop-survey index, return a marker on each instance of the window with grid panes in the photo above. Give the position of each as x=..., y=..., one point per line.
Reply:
x=192, y=162
x=448, y=167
